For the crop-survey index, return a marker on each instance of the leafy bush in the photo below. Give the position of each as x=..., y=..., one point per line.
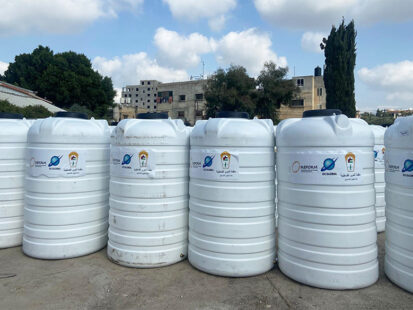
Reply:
x=36, y=111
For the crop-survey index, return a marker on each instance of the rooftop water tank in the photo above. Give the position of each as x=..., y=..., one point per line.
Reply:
x=232, y=210
x=398, y=261
x=13, y=138
x=326, y=225
x=67, y=187
x=148, y=218
x=379, y=183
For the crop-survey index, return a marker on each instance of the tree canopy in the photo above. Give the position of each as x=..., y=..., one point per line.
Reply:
x=340, y=60
x=234, y=90
x=66, y=79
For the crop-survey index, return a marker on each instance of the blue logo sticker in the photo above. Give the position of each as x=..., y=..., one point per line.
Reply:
x=126, y=159
x=408, y=165
x=55, y=161
x=329, y=164
x=208, y=161
x=375, y=154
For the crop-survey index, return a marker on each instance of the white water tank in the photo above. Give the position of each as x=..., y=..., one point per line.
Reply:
x=67, y=187
x=275, y=181
x=398, y=261
x=13, y=138
x=231, y=217
x=326, y=225
x=148, y=218
x=379, y=183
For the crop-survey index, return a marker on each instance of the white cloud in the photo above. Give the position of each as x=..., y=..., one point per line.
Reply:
x=310, y=41
x=179, y=51
x=194, y=10
x=57, y=16
x=395, y=79
x=3, y=67
x=129, y=69
x=321, y=14
x=248, y=48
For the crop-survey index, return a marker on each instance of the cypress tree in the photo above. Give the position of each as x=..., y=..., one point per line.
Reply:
x=340, y=60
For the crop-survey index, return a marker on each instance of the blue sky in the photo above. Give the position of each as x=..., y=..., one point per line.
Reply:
x=167, y=40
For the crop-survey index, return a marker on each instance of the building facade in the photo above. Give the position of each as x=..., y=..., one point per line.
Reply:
x=184, y=100
x=311, y=95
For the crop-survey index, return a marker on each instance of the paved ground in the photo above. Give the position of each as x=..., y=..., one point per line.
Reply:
x=92, y=282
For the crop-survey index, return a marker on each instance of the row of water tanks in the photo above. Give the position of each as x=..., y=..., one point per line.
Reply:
x=326, y=194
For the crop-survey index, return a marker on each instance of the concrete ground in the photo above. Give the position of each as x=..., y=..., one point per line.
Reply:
x=93, y=282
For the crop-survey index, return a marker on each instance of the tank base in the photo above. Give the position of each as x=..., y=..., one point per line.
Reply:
x=237, y=267
x=10, y=241
x=63, y=251
x=329, y=279
x=146, y=259
x=399, y=274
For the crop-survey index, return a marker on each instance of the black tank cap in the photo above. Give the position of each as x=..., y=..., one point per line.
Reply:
x=323, y=112
x=232, y=114
x=11, y=115
x=153, y=115
x=71, y=115
x=114, y=123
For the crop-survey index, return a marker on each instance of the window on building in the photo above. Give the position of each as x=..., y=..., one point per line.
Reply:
x=143, y=91
x=147, y=107
x=300, y=82
x=154, y=100
x=198, y=113
x=126, y=95
x=142, y=83
x=149, y=100
x=128, y=89
x=182, y=97
x=297, y=103
x=319, y=91
x=137, y=89
x=154, y=107
x=136, y=100
x=149, y=95
x=199, y=96
x=154, y=95
x=149, y=89
x=149, y=83
x=125, y=116
x=181, y=113
x=141, y=99
x=130, y=95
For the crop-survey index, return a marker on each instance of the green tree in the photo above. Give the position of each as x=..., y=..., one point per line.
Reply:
x=340, y=60
x=230, y=90
x=64, y=78
x=37, y=111
x=272, y=89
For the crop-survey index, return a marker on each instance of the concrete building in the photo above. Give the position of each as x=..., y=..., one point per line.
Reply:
x=184, y=100
x=311, y=96
x=22, y=97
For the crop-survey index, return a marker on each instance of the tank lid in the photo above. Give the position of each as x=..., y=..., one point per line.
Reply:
x=71, y=115
x=11, y=115
x=153, y=115
x=323, y=112
x=232, y=114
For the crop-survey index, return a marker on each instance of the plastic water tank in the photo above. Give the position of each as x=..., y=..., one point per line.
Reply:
x=148, y=218
x=379, y=183
x=67, y=187
x=13, y=138
x=231, y=217
x=326, y=225
x=398, y=261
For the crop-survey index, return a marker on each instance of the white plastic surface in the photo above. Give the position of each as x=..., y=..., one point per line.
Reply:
x=326, y=225
x=13, y=137
x=379, y=183
x=231, y=218
x=398, y=261
x=66, y=210
x=148, y=219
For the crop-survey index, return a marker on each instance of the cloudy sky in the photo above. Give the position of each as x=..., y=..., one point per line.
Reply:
x=167, y=40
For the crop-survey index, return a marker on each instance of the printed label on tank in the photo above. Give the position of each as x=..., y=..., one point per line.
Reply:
x=134, y=162
x=214, y=165
x=399, y=167
x=379, y=151
x=57, y=162
x=327, y=168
